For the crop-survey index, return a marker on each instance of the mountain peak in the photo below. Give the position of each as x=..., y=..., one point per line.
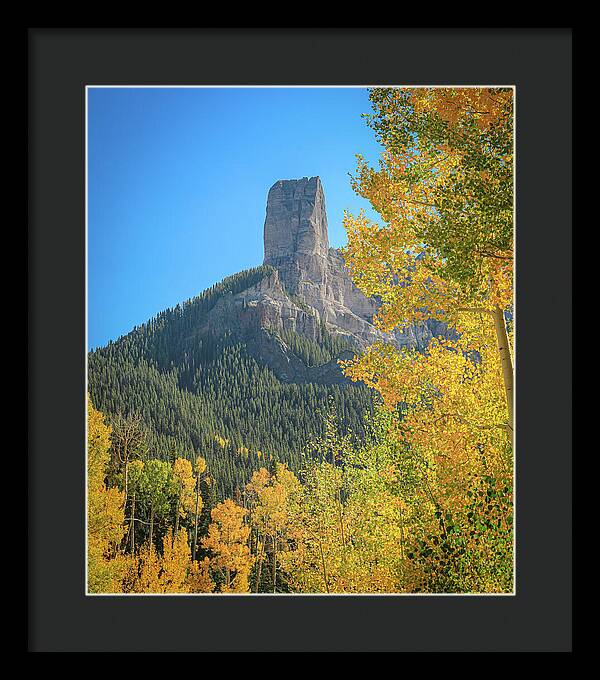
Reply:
x=296, y=222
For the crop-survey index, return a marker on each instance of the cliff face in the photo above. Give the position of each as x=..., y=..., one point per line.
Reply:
x=308, y=291
x=297, y=246
x=295, y=235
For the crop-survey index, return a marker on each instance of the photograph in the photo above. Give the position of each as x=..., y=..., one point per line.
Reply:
x=300, y=323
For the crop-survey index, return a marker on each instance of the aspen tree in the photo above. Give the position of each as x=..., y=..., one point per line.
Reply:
x=199, y=469
x=183, y=484
x=444, y=189
x=227, y=541
x=105, y=510
x=128, y=443
x=156, y=489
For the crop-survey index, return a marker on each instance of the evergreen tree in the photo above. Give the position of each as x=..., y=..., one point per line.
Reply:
x=174, y=394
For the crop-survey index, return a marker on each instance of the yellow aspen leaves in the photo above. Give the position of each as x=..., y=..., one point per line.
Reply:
x=199, y=465
x=185, y=484
x=227, y=542
x=106, y=526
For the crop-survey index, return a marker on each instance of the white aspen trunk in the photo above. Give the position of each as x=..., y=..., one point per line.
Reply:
x=151, y=526
x=132, y=520
x=341, y=518
x=325, y=575
x=196, y=519
x=260, y=551
x=505, y=360
x=126, y=479
x=177, y=517
x=401, y=533
x=274, y=559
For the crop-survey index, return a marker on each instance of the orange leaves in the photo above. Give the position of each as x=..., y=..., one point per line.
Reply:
x=260, y=479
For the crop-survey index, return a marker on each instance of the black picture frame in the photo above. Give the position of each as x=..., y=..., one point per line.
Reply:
x=61, y=63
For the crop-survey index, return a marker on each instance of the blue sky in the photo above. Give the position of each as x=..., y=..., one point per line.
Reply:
x=178, y=180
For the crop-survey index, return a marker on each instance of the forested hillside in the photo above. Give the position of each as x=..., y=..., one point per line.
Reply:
x=207, y=395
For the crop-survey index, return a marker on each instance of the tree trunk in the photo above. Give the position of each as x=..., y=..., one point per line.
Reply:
x=325, y=576
x=196, y=519
x=505, y=359
x=151, y=526
x=401, y=534
x=341, y=517
x=274, y=560
x=132, y=525
x=126, y=478
x=260, y=551
x=177, y=517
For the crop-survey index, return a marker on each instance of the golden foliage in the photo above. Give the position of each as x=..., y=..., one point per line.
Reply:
x=200, y=465
x=176, y=561
x=185, y=485
x=199, y=580
x=345, y=527
x=444, y=191
x=105, y=511
x=227, y=541
x=445, y=251
x=221, y=441
x=171, y=572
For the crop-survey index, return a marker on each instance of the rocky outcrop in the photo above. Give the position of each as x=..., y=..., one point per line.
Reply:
x=265, y=306
x=296, y=238
x=307, y=292
x=297, y=246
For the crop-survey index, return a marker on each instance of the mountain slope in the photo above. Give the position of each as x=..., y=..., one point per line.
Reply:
x=252, y=361
x=191, y=387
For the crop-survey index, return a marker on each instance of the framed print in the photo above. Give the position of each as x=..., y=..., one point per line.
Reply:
x=290, y=354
